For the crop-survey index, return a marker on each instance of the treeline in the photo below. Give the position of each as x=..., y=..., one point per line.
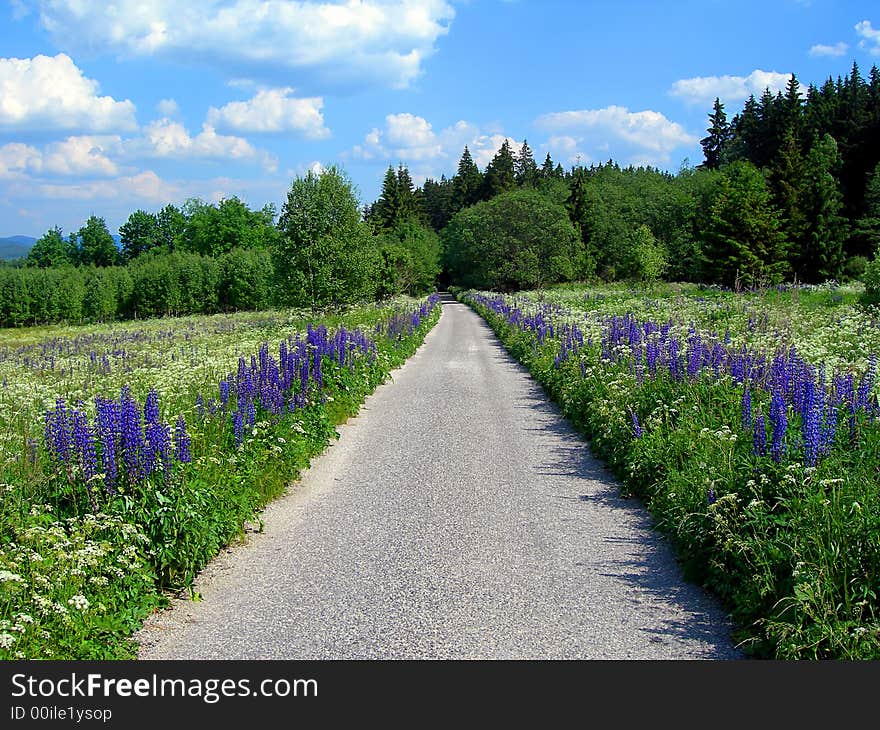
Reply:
x=789, y=189
x=203, y=258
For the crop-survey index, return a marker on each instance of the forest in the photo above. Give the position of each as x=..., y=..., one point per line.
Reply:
x=788, y=191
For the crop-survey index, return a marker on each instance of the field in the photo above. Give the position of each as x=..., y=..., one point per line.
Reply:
x=747, y=423
x=131, y=453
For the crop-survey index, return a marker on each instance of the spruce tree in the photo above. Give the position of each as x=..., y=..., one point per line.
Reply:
x=719, y=135
x=546, y=171
x=500, y=176
x=466, y=184
x=525, y=168
x=383, y=211
x=822, y=253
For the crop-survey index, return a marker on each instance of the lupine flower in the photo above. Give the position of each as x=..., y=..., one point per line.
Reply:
x=182, y=441
x=637, y=429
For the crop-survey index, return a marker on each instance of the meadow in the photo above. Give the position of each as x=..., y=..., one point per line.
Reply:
x=131, y=453
x=746, y=423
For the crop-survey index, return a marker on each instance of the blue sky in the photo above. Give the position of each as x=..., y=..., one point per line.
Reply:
x=107, y=106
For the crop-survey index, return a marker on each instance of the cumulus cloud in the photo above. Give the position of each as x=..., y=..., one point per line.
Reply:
x=145, y=186
x=353, y=40
x=704, y=89
x=647, y=137
x=168, y=108
x=272, y=110
x=166, y=138
x=838, y=49
x=870, y=37
x=82, y=156
x=51, y=93
x=411, y=139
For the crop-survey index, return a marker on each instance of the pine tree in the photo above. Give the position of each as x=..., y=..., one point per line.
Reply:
x=383, y=211
x=743, y=240
x=466, y=184
x=788, y=182
x=500, y=176
x=407, y=204
x=546, y=171
x=719, y=135
x=525, y=168
x=822, y=254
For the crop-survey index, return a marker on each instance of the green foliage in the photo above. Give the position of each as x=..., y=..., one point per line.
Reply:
x=744, y=243
x=94, y=244
x=500, y=174
x=871, y=280
x=715, y=143
x=513, y=241
x=140, y=233
x=51, y=249
x=648, y=258
x=411, y=260
x=325, y=255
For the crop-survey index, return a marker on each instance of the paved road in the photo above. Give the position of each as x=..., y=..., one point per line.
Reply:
x=458, y=516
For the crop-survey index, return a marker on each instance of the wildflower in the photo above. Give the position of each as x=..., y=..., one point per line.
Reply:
x=182, y=441
x=79, y=602
x=637, y=429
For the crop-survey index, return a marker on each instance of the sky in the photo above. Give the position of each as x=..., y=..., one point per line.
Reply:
x=108, y=106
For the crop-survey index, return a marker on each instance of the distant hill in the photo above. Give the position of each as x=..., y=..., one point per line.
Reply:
x=15, y=247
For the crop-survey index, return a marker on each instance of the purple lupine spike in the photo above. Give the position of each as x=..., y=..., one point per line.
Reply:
x=151, y=407
x=637, y=429
x=759, y=436
x=182, y=441
x=746, y=408
x=238, y=427
x=779, y=421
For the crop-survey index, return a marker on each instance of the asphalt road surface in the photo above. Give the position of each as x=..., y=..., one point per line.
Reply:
x=459, y=516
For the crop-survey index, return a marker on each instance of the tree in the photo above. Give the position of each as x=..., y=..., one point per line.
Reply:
x=325, y=254
x=384, y=211
x=547, y=169
x=500, y=176
x=743, y=240
x=788, y=181
x=139, y=234
x=525, y=169
x=95, y=245
x=466, y=183
x=50, y=250
x=170, y=227
x=719, y=135
x=414, y=252
x=867, y=227
x=516, y=240
x=821, y=256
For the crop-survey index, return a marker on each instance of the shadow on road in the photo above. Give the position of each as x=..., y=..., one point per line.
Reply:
x=653, y=569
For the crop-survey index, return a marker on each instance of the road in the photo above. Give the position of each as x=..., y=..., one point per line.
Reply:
x=458, y=516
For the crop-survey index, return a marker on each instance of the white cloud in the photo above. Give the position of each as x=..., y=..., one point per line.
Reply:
x=166, y=138
x=50, y=92
x=838, y=49
x=145, y=186
x=272, y=110
x=565, y=148
x=353, y=40
x=411, y=139
x=83, y=156
x=704, y=89
x=647, y=137
x=168, y=108
x=870, y=37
